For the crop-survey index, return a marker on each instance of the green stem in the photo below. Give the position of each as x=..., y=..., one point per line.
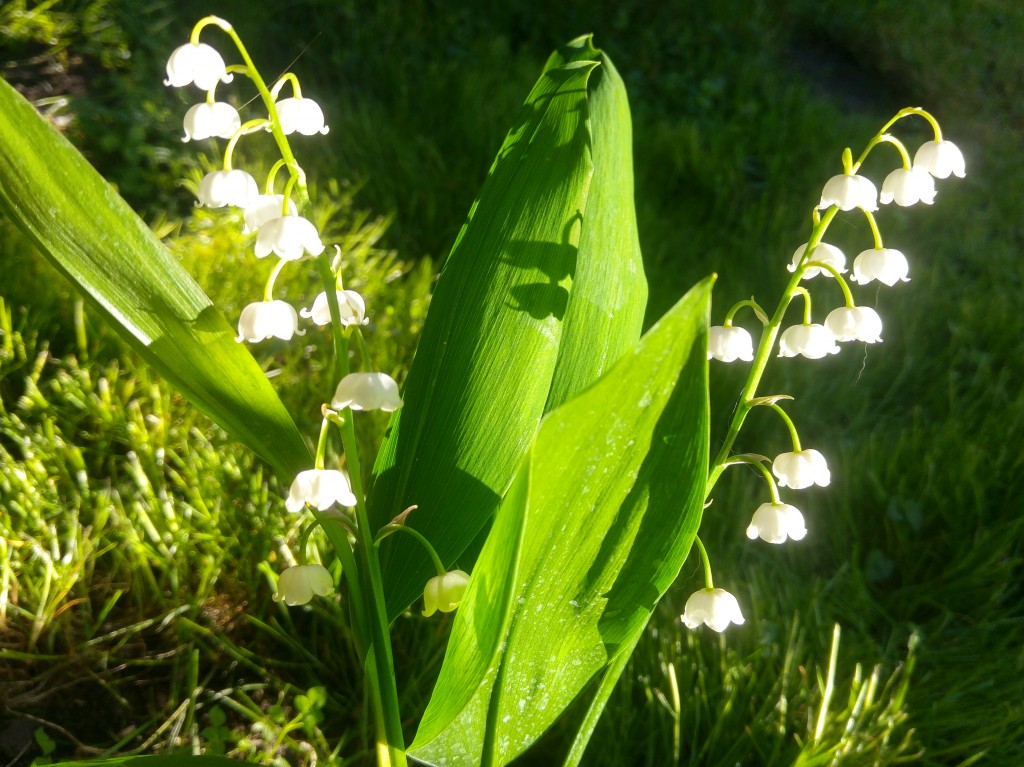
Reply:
x=380, y=668
x=321, y=445
x=758, y=311
x=268, y=291
x=907, y=164
x=387, y=530
x=789, y=425
x=708, y=582
x=286, y=78
x=839, y=279
x=877, y=235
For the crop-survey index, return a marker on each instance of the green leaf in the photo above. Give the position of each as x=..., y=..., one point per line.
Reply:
x=600, y=518
x=541, y=293
x=78, y=221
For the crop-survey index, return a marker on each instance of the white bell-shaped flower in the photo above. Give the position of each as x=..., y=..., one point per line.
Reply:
x=941, y=158
x=267, y=319
x=777, y=523
x=729, y=344
x=886, y=265
x=320, y=488
x=264, y=208
x=908, y=187
x=801, y=470
x=297, y=585
x=367, y=391
x=206, y=120
x=300, y=115
x=855, y=323
x=827, y=254
x=811, y=341
x=290, y=237
x=199, y=64
x=227, y=187
x=351, y=309
x=715, y=607
x=849, y=191
x=444, y=592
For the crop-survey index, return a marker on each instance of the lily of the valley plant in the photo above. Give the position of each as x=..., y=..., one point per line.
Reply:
x=526, y=486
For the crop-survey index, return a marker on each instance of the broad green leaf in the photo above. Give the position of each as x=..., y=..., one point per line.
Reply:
x=93, y=237
x=601, y=516
x=541, y=293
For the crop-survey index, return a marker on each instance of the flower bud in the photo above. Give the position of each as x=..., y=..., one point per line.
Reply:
x=907, y=187
x=444, y=592
x=801, y=470
x=264, y=208
x=199, y=64
x=267, y=319
x=827, y=254
x=290, y=237
x=351, y=309
x=302, y=115
x=320, y=488
x=227, y=187
x=886, y=265
x=715, y=607
x=208, y=120
x=367, y=391
x=849, y=191
x=940, y=158
x=776, y=523
x=297, y=585
x=729, y=344
x=811, y=341
x=856, y=323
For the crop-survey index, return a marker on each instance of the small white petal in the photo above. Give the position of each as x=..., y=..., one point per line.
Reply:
x=883, y=264
x=227, y=187
x=320, y=488
x=857, y=323
x=777, y=523
x=267, y=319
x=264, y=208
x=351, y=309
x=199, y=64
x=444, y=592
x=205, y=120
x=290, y=237
x=811, y=341
x=849, y=191
x=300, y=115
x=908, y=187
x=715, y=607
x=729, y=344
x=941, y=158
x=367, y=391
x=823, y=252
x=297, y=585
x=801, y=470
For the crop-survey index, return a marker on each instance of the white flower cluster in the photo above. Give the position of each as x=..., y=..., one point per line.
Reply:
x=776, y=522
x=282, y=231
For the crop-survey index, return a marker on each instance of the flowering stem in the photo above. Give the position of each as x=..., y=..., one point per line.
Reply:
x=285, y=78
x=789, y=425
x=764, y=350
x=379, y=663
x=708, y=582
x=758, y=311
x=907, y=164
x=321, y=445
x=261, y=86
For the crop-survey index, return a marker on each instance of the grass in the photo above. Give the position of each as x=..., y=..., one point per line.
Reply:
x=136, y=617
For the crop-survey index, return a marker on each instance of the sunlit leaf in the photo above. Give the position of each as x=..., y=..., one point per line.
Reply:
x=80, y=223
x=542, y=292
x=602, y=514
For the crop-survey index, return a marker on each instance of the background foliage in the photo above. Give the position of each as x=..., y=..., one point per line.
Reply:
x=134, y=598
